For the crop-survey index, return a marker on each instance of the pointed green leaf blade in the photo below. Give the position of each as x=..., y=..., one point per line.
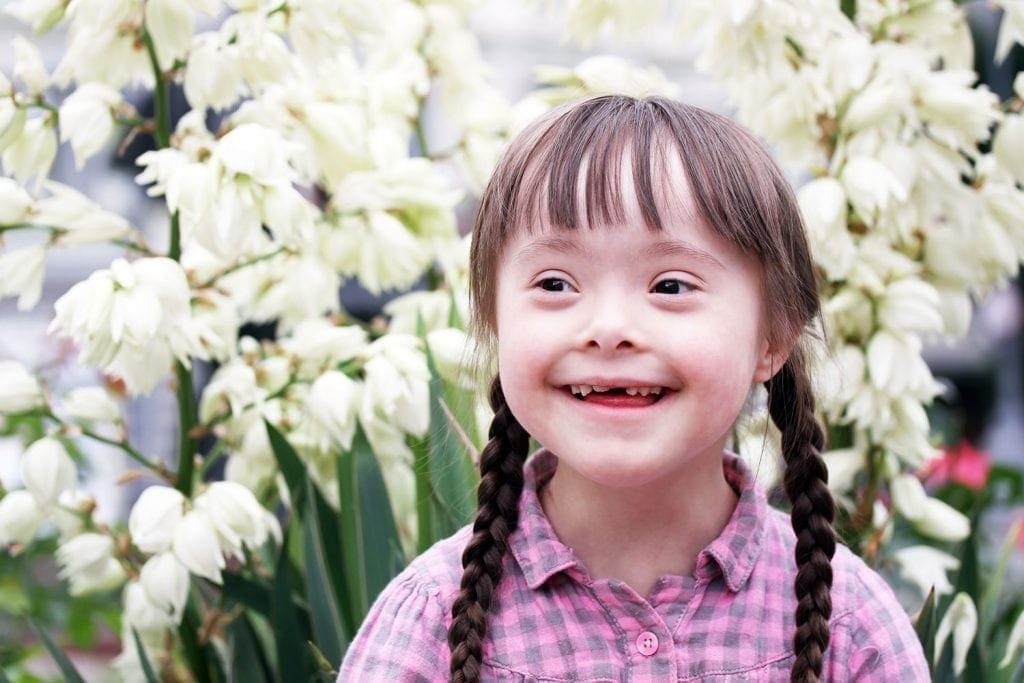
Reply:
x=292, y=663
x=926, y=626
x=248, y=659
x=147, y=668
x=71, y=674
x=290, y=465
x=371, y=551
x=322, y=554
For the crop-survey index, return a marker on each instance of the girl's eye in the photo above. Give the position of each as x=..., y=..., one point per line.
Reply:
x=554, y=284
x=670, y=286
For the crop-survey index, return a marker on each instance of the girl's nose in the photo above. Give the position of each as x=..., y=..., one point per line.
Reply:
x=611, y=327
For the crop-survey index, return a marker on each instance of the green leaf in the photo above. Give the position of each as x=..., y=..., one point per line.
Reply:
x=292, y=662
x=3, y=677
x=248, y=659
x=147, y=668
x=372, y=553
x=290, y=465
x=245, y=591
x=323, y=563
x=424, y=494
x=202, y=660
x=925, y=627
x=988, y=608
x=71, y=674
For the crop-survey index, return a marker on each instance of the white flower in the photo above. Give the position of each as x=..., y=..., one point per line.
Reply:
x=432, y=307
x=844, y=465
x=165, y=582
x=87, y=562
x=87, y=119
x=235, y=514
x=14, y=202
x=397, y=378
x=213, y=75
x=72, y=506
x=197, y=546
x=19, y=389
x=12, y=119
x=103, y=45
x=21, y=273
x=41, y=15
x=602, y=75
x=587, y=18
x=823, y=205
x=47, y=471
x=908, y=496
x=141, y=613
x=960, y=621
x=910, y=305
x=131, y=320
x=315, y=344
x=870, y=186
x=169, y=22
x=453, y=352
x=154, y=518
x=94, y=404
x=1014, y=643
x=930, y=516
x=31, y=153
x=20, y=517
x=926, y=567
x=82, y=220
x=232, y=387
x=1008, y=143
x=333, y=404
x=28, y=66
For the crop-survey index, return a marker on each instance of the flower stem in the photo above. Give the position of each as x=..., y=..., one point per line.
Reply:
x=161, y=95
x=186, y=424
x=138, y=457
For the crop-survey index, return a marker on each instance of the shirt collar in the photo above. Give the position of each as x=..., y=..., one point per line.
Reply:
x=733, y=553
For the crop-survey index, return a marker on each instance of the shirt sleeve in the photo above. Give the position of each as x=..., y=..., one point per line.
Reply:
x=404, y=637
x=877, y=641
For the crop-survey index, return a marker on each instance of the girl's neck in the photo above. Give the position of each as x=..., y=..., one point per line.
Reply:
x=637, y=535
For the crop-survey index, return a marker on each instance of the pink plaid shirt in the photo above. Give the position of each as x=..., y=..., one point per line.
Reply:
x=550, y=621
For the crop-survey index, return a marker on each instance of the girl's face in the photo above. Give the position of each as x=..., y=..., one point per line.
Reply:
x=629, y=352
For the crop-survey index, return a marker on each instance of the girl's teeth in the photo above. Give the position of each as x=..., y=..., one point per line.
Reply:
x=601, y=389
x=631, y=391
x=643, y=391
x=584, y=389
x=656, y=391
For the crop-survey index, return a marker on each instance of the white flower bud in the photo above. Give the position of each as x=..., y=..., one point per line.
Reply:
x=48, y=471
x=87, y=119
x=92, y=404
x=141, y=614
x=453, y=352
x=213, y=76
x=14, y=202
x=87, y=562
x=910, y=305
x=20, y=517
x=170, y=24
x=926, y=567
x=941, y=521
x=908, y=496
x=870, y=186
x=960, y=621
x=197, y=547
x=67, y=514
x=165, y=582
x=32, y=152
x=155, y=518
x=236, y=516
x=1014, y=643
x=21, y=273
x=12, y=121
x=843, y=467
x=19, y=389
x=333, y=405
x=28, y=66
x=823, y=205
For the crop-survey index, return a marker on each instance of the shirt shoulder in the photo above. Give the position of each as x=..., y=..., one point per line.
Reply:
x=404, y=636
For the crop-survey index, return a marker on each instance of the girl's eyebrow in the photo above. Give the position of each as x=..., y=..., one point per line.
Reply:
x=546, y=244
x=681, y=248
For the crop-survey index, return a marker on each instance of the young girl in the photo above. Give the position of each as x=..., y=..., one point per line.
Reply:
x=639, y=265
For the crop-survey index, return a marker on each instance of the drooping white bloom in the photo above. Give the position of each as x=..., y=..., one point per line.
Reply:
x=87, y=119
x=315, y=344
x=92, y=404
x=103, y=45
x=233, y=387
x=131, y=320
x=844, y=464
x=87, y=562
x=213, y=76
x=73, y=506
x=28, y=66
x=870, y=186
x=196, y=545
x=47, y=471
x=397, y=377
x=21, y=274
x=165, y=582
x=1008, y=141
x=453, y=353
x=235, y=515
x=14, y=202
x=960, y=621
x=931, y=516
x=32, y=152
x=20, y=517
x=141, y=613
x=155, y=517
x=333, y=404
x=41, y=15
x=19, y=389
x=823, y=205
x=587, y=18
x=81, y=220
x=926, y=567
x=12, y=119
x=169, y=22
x=603, y=75
x=910, y=305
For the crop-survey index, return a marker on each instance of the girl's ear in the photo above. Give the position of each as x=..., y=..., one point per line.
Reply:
x=770, y=360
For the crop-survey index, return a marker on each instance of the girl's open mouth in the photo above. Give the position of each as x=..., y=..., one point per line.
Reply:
x=617, y=397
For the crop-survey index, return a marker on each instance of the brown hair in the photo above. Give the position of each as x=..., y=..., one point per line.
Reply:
x=743, y=196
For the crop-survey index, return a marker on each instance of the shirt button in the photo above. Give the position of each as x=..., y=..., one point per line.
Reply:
x=647, y=643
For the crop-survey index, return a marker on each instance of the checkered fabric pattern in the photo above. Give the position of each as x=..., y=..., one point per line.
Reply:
x=550, y=621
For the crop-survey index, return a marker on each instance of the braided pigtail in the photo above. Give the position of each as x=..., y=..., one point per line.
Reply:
x=791, y=404
x=501, y=484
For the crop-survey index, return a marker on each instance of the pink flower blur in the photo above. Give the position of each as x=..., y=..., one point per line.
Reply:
x=963, y=464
